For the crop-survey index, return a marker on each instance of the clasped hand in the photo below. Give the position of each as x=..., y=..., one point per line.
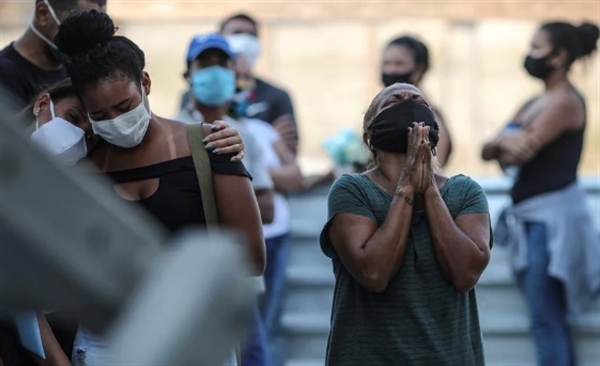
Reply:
x=418, y=170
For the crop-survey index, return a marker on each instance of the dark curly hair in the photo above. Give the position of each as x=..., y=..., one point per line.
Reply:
x=95, y=54
x=577, y=41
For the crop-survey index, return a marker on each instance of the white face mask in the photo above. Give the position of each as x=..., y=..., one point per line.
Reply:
x=127, y=130
x=246, y=45
x=61, y=139
x=39, y=34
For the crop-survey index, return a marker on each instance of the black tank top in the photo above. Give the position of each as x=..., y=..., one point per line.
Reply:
x=177, y=202
x=554, y=167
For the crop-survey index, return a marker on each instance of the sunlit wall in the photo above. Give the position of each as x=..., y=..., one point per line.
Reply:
x=326, y=55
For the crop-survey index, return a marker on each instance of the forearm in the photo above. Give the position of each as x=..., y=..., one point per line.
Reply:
x=383, y=254
x=460, y=258
x=266, y=204
x=491, y=150
x=54, y=353
x=287, y=178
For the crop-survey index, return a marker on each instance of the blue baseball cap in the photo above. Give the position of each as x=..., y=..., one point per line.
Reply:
x=203, y=42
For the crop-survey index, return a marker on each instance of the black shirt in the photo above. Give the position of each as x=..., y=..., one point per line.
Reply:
x=177, y=203
x=24, y=79
x=553, y=168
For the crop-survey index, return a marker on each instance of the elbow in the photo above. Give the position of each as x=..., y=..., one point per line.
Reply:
x=375, y=283
x=267, y=215
x=467, y=280
x=465, y=283
x=293, y=182
x=267, y=210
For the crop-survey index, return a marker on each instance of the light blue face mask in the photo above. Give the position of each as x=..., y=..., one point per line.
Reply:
x=213, y=86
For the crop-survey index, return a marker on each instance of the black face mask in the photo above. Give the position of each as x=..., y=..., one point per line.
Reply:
x=389, y=130
x=538, y=67
x=389, y=79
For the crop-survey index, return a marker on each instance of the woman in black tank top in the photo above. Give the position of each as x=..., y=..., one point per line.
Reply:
x=544, y=143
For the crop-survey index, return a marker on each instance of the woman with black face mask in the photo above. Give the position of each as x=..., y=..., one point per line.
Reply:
x=548, y=227
x=407, y=246
x=406, y=60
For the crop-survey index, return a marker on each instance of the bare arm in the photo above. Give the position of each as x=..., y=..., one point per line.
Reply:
x=288, y=177
x=493, y=149
x=462, y=248
x=374, y=255
x=564, y=113
x=54, y=353
x=238, y=210
x=266, y=204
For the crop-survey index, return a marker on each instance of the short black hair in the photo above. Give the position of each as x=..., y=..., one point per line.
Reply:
x=95, y=53
x=417, y=48
x=69, y=5
x=240, y=16
x=577, y=41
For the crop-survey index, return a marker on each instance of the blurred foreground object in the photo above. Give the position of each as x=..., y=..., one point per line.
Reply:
x=68, y=243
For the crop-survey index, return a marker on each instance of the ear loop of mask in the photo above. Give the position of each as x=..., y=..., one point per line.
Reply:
x=38, y=33
x=52, y=115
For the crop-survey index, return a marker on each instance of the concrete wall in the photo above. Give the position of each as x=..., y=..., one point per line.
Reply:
x=326, y=54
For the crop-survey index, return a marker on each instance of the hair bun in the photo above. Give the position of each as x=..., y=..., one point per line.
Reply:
x=589, y=37
x=83, y=31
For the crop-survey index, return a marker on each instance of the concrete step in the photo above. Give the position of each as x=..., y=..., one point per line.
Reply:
x=507, y=340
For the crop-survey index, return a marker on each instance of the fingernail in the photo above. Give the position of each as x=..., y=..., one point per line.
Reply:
x=206, y=139
x=235, y=160
x=216, y=151
x=209, y=146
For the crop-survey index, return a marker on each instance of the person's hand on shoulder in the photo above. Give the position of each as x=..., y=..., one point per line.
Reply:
x=225, y=140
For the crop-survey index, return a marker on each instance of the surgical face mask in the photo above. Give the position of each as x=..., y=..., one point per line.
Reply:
x=58, y=56
x=128, y=129
x=61, y=139
x=213, y=86
x=389, y=130
x=389, y=79
x=246, y=45
x=538, y=67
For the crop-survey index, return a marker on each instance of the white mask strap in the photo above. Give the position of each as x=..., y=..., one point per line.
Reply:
x=43, y=37
x=52, y=12
x=52, y=113
x=38, y=33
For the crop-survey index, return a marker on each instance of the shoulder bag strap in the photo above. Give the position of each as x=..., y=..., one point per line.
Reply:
x=204, y=173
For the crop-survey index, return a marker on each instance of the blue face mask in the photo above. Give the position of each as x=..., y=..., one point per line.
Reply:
x=213, y=86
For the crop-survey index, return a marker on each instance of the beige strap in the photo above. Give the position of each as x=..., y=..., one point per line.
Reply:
x=205, y=176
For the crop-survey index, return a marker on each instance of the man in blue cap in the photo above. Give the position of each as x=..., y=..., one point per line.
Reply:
x=211, y=77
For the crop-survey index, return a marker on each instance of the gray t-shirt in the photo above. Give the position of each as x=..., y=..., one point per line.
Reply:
x=420, y=319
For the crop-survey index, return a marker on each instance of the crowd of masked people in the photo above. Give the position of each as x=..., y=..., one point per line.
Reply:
x=407, y=244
